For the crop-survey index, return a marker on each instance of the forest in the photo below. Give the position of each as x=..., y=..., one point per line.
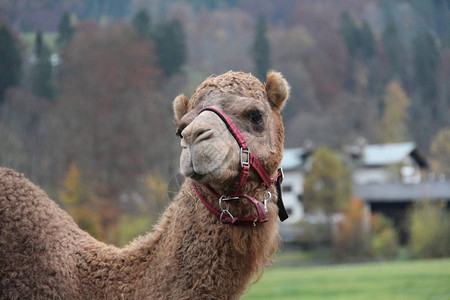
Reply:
x=86, y=87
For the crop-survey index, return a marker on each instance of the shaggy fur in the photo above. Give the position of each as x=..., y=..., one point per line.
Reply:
x=189, y=255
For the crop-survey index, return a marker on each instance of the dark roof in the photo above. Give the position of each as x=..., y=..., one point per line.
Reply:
x=399, y=192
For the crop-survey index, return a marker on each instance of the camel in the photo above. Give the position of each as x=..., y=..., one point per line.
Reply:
x=214, y=239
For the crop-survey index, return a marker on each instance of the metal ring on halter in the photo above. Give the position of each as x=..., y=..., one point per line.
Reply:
x=225, y=199
x=228, y=213
x=227, y=205
x=267, y=200
x=226, y=210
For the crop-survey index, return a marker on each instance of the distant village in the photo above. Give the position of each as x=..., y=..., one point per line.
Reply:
x=389, y=178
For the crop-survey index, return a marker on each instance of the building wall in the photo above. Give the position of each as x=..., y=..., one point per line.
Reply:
x=292, y=192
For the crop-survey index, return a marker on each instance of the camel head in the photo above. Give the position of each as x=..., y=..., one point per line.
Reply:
x=210, y=154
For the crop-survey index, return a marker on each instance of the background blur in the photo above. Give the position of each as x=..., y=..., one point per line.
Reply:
x=86, y=89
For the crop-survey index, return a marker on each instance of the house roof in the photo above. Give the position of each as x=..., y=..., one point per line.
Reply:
x=399, y=192
x=386, y=154
x=389, y=154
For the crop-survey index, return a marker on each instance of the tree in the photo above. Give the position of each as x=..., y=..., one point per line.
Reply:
x=75, y=200
x=367, y=41
x=42, y=85
x=440, y=152
x=426, y=62
x=12, y=152
x=385, y=241
x=10, y=62
x=350, y=33
x=141, y=23
x=261, y=49
x=393, y=46
x=394, y=120
x=429, y=230
x=327, y=186
x=65, y=31
x=170, y=46
x=360, y=44
x=112, y=115
x=352, y=238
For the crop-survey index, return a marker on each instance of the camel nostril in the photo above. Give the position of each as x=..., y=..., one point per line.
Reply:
x=203, y=134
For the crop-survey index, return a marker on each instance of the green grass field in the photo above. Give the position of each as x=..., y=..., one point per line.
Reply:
x=421, y=279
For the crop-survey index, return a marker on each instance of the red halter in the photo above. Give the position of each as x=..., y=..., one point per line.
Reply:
x=246, y=162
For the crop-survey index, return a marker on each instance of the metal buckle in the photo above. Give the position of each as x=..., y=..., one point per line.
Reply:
x=245, y=163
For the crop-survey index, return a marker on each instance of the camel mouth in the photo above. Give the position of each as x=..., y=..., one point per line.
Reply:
x=195, y=176
x=208, y=166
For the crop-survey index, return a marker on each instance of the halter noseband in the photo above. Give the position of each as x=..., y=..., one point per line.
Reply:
x=247, y=160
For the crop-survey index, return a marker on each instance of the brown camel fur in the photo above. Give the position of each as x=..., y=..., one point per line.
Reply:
x=190, y=254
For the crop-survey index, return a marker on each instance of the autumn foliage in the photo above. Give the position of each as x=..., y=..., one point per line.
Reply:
x=352, y=234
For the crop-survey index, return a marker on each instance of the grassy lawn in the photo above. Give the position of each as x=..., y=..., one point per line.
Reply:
x=421, y=279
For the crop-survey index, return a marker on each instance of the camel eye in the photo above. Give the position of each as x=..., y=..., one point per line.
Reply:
x=256, y=117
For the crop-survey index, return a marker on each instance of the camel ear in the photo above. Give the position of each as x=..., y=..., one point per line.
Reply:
x=180, y=106
x=277, y=90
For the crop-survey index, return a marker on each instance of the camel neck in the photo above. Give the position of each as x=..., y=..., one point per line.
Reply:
x=193, y=252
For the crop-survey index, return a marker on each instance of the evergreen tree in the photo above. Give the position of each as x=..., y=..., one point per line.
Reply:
x=350, y=33
x=426, y=61
x=65, y=30
x=10, y=61
x=170, y=46
x=393, y=46
x=367, y=41
x=42, y=85
x=360, y=44
x=261, y=49
x=141, y=23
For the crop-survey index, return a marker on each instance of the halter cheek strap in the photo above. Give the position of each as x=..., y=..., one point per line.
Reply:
x=247, y=160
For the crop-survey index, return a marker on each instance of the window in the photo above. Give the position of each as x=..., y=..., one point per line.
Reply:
x=287, y=188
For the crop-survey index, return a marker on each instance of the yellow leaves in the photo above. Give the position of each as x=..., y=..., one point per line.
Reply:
x=72, y=194
x=327, y=186
x=156, y=192
x=75, y=199
x=385, y=240
x=393, y=122
x=352, y=233
x=430, y=230
x=440, y=152
x=93, y=210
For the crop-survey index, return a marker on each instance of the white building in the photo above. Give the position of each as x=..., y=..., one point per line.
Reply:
x=386, y=163
x=295, y=162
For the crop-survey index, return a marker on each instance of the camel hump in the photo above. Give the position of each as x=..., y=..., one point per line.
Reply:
x=16, y=190
x=8, y=174
x=10, y=180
